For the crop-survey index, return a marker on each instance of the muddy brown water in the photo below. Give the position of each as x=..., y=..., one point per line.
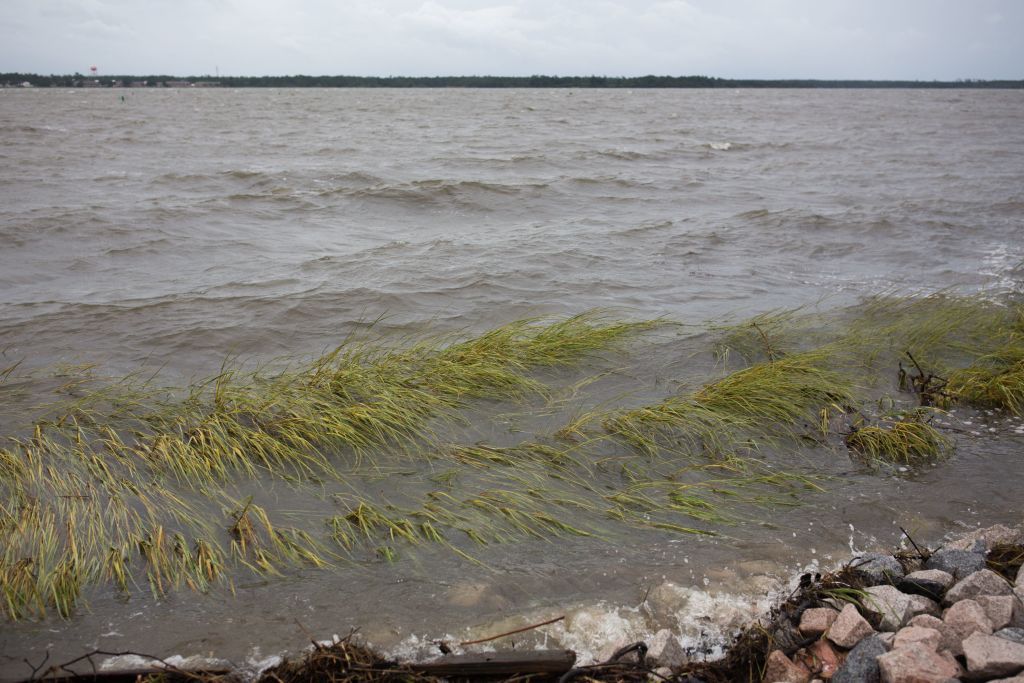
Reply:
x=177, y=227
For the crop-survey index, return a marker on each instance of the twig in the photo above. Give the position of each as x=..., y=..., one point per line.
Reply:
x=920, y=553
x=166, y=666
x=509, y=633
x=769, y=351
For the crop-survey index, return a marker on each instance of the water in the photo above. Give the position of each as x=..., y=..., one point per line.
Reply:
x=178, y=227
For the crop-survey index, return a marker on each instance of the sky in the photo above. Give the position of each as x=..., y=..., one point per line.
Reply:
x=833, y=39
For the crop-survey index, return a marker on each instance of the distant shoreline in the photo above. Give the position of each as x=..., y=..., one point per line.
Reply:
x=14, y=79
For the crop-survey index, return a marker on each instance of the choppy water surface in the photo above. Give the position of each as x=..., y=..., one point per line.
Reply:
x=177, y=227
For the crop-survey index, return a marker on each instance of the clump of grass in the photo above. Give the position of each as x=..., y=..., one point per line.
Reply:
x=995, y=380
x=908, y=439
x=758, y=401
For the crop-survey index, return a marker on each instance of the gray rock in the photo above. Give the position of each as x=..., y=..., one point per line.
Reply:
x=990, y=656
x=931, y=583
x=1020, y=577
x=918, y=604
x=983, y=582
x=982, y=540
x=1014, y=634
x=878, y=568
x=890, y=603
x=664, y=650
x=999, y=608
x=861, y=665
x=959, y=563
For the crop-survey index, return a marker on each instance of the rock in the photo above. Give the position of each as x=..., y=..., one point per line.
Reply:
x=815, y=621
x=1015, y=679
x=861, y=665
x=780, y=669
x=1000, y=609
x=917, y=664
x=665, y=601
x=878, y=568
x=662, y=673
x=821, y=659
x=887, y=639
x=926, y=621
x=929, y=637
x=931, y=583
x=1014, y=634
x=986, y=538
x=664, y=649
x=1019, y=583
x=890, y=603
x=961, y=620
x=983, y=582
x=849, y=628
x=991, y=656
x=919, y=604
x=958, y=563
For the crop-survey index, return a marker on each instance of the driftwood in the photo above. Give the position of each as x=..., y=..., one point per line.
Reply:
x=500, y=663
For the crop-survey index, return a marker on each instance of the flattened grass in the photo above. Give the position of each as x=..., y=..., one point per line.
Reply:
x=128, y=484
x=761, y=401
x=99, y=490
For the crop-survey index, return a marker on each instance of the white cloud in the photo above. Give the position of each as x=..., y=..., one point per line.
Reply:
x=736, y=38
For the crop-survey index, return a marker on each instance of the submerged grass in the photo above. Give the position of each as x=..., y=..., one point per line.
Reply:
x=92, y=494
x=768, y=399
x=134, y=485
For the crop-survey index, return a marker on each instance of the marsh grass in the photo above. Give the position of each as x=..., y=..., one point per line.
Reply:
x=906, y=439
x=772, y=398
x=99, y=489
x=135, y=485
x=995, y=380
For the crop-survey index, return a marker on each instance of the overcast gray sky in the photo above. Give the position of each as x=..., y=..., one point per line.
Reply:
x=883, y=39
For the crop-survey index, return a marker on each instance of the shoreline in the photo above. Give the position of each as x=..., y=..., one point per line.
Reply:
x=835, y=625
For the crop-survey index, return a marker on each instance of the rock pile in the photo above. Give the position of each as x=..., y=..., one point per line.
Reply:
x=944, y=618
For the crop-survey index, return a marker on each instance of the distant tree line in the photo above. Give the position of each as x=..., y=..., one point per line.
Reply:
x=300, y=81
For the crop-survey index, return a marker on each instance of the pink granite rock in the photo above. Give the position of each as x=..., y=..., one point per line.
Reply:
x=989, y=656
x=820, y=659
x=781, y=669
x=989, y=536
x=815, y=621
x=917, y=664
x=929, y=637
x=849, y=628
x=984, y=582
x=961, y=620
x=926, y=620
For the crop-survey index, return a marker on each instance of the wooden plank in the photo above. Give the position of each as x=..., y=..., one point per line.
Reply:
x=500, y=663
